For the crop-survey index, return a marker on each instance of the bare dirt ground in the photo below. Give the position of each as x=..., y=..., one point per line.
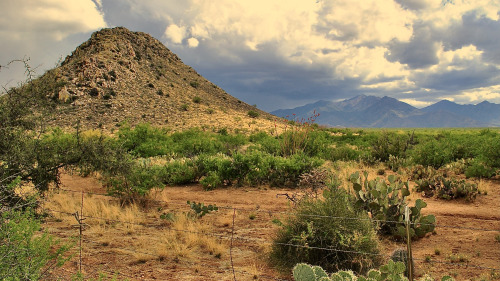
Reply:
x=138, y=245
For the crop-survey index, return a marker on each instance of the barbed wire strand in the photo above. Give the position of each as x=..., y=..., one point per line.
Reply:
x=458, y=264
x=312, y=216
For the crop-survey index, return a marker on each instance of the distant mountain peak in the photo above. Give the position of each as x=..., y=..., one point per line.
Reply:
x=372, y=111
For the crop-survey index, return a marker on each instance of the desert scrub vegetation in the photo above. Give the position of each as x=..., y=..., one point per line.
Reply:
x=138, y=159
x=310, y=229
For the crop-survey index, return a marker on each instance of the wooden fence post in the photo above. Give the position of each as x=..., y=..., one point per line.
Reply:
x=408, y=244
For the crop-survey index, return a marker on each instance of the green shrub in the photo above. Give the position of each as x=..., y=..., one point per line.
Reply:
x=387, y=144
x=179, y=171
x=286, y=171
x=441, y=151
x=94, y=92
x=344, y=153
x=490, y=152
x=196, y=99
x=266, y=143
x=253, y=168
x=253, y=114
x=184, y=107
x=317, y=223
x=479, y=170
x=24, y=252
x=134, y=184
x=144, y=140
x=211, y=181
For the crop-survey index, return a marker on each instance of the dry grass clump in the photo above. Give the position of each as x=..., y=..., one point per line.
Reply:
x=97, y=210
x=186, y=236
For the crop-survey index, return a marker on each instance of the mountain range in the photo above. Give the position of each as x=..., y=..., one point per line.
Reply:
x=385, y=112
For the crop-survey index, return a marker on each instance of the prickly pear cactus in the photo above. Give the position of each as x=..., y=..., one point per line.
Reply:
x=401, y=255
x=392, y=271
x=200, y=209
x=319, y=272
x=303, y=272
x=387, y=201
x=344, y=276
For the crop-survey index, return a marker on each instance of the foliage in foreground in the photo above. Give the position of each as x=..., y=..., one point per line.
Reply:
x=24, y=253
x=393, y=271
x=387, y=202
x=316, y=233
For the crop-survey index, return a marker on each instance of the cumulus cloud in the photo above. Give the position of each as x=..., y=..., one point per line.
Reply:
x=54, y=18
x=43, y=30
x=175, y=33
x=193, y=42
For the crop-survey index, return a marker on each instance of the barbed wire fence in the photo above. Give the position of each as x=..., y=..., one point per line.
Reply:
x=234, y=235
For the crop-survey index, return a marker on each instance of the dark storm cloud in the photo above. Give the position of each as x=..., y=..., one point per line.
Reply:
x=482, y=32
x=412, y=4
x=475, y=76
x=266, y=79
x=419, y=52
x=123, y=13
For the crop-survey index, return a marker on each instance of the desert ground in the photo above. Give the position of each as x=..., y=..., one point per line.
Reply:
x=156, y=240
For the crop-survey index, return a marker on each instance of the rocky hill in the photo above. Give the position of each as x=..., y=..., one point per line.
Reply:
x=122, y=76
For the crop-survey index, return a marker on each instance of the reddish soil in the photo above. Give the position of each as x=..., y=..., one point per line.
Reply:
x=462, y=232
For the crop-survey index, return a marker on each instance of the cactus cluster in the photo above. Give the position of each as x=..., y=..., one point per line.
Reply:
x=387, y=201
x=200, y=209
x=401, y=255
x=392, y=271
x=447, y=189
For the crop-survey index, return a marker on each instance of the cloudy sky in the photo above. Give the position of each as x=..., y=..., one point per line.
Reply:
x=285, y=53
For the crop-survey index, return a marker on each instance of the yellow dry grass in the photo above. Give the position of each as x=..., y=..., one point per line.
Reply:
x=130, y=230
x=188, y=235
x=97, y=210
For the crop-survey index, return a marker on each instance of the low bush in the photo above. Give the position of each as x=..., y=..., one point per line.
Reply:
x=344, y=153
x=196, y=99
x=387, y=144
x=179, y=171
x=479, y=170
x=254, y=168
x=134, y=184
x=316, y=234
x=24, y=251
x=253, y=114
x=144, y=140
